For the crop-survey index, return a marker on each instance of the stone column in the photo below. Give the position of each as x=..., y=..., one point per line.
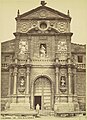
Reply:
x=69, y=76
x=28, y=81
x=27, y=97
x=69, y=80
x=57, y=79
x=15, y=80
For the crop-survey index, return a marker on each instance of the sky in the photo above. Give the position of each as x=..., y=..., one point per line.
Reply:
x=77, y=8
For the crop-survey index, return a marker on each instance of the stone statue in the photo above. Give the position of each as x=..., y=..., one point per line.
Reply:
x=42, y=51
x=22, y=82
x=23, y=47
x=63, y=82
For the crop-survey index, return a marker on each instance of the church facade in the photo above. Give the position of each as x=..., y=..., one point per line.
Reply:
x=41, y=65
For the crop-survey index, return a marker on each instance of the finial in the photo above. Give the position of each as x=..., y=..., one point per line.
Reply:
x=18, y=13
x=68, y=13
x=43, y=3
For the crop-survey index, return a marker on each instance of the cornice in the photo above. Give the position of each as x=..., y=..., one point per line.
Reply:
x=41, y=34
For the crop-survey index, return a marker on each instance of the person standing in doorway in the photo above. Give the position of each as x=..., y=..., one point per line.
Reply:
x=37, y=108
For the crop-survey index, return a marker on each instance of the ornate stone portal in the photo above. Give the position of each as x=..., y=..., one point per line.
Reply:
x=41, y=68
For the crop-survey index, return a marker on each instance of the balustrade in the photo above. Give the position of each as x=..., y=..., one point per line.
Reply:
x=81, y=66
x=4, y=65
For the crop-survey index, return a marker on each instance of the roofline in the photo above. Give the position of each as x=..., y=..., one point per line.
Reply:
x=79, y=44
x=7, y=41
x=37, y=8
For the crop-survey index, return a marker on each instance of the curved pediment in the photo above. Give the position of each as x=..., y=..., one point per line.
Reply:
x=49, y=30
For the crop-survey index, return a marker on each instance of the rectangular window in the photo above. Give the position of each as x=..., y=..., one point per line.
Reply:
x=80, y=59
x=6, y=58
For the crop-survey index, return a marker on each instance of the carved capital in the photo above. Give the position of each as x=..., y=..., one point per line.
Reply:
x=28, y=70
x=69, y=70
x=56, y=64
x=28, y=65
x=15, y=71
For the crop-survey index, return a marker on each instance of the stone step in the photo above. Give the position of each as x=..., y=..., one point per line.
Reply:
x=46, y=112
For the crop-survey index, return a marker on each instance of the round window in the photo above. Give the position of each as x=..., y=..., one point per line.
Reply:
x=43, y=25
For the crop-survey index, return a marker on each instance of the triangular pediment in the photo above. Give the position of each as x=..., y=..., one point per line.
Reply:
x=43, y=12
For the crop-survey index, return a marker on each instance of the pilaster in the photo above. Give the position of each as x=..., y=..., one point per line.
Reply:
x=10, y=78
x=32, y=97
x=75, y=81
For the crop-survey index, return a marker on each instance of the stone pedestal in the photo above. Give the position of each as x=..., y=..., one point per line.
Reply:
x=64, y=107
x=20, y=107
x=65, y=103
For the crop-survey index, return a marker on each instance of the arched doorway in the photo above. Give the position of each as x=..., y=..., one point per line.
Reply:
x=43, y=93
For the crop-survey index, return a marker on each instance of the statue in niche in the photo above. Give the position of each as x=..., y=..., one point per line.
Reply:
x=63, y=81
x=22, y=82
x=42, y=50
x=21, y=87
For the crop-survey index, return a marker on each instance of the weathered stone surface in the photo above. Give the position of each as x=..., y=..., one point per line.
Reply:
x=62, y=79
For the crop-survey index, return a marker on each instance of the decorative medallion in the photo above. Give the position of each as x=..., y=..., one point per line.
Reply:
x=24, y=27
x=61, y=26
x=43, y=13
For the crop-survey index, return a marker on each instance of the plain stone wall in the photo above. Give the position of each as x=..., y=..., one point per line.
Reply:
x=4, y=84
x=81, y=89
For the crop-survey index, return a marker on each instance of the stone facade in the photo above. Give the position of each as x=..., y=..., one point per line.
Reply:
x=41, y=65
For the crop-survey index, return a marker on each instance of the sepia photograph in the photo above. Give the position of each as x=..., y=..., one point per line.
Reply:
x=43, y=59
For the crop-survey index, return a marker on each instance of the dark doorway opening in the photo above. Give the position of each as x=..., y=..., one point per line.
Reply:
x=37, y=100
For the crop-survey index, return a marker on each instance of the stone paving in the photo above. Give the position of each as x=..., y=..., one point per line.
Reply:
x=52, y=118
x=61, y=118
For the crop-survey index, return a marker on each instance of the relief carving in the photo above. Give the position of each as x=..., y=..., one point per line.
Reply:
x=24, y=26
x=23, y=47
